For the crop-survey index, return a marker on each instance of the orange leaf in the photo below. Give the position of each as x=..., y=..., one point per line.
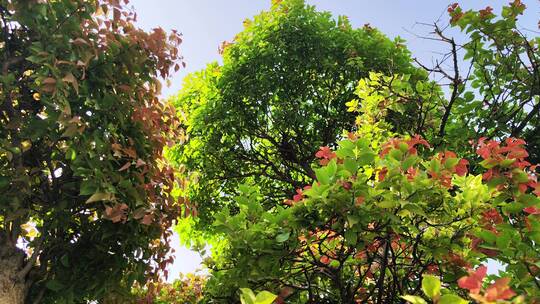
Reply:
x=72, y=80
x=147, y=219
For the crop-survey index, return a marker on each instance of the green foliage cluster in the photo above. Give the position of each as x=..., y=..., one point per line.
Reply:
x=188, y=289
x=83, y=182
x=324, y=165
x=261, y=115
x=385, y=216
x=378, y=217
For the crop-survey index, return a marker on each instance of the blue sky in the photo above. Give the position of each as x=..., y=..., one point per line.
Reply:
x=206, y=23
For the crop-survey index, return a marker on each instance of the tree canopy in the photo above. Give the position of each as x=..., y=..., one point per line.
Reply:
x=322, y=163
x=277, y=97
x=84, y=186
x=408, y=212
x=384, y=217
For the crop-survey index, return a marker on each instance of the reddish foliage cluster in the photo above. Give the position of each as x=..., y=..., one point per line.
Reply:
x=408, y=145
x=506, y=164
x=325, y=154
x=450, y=165
x=298, y=196
x=490, y=219
x=159, y=122
x=499, y=290
x=507, y=159
x=484, y=13
x=455, y=12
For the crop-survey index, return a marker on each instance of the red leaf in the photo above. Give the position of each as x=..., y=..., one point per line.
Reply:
x=382, y=174
x=461, y=167
x=325, y=260
x=147, y=219
x=299, y=196
x=325, y=153
x=116, y=214
x=417, y=140
x=499, y=290
x=532, y=210
x=473, y=282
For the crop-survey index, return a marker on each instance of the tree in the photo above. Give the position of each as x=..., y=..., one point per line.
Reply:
x=261, y=115
x=85, y=189
x=493, y=76
x=386, y=218
x=391, y=216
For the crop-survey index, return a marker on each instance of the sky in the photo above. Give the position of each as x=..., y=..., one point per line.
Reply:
x=205, y=24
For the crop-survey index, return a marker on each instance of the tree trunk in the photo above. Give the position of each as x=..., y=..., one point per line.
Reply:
x=12, y=288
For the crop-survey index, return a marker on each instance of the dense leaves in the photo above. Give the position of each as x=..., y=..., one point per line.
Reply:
x=427, y=187
x=494, y=79
x=359, y=235
x=188, y=289
x=261, y=115
x=83, y=182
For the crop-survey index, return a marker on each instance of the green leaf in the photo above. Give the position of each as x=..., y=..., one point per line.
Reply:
x=322, y=176
x=247, y=296
x=366, y=159
x=71, y=154
x=331, y=168
x=54, y=285
x=396, y=154
x=350, y=165
x=4, y=181
x=347, y=144
x=414, y=299
x=487, y=236
x=409, y=162
x=282, y=237
x=419, y=87
x=351, y=237
x=452, y=299
x=451, y=162
x=88, y=187
x=431, y=285
x=503, y=240
x=520, y=176
x=488, y=164
x=99, y=196
x=65, y=260
x=415, y=209
x=265, y=297
x=386, y=204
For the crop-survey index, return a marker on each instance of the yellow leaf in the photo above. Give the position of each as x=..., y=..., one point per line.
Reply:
x=26, y=145
x=30, y=230
x=99, y=196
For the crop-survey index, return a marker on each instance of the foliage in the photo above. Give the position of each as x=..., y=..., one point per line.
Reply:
x=498, y=292
x=83, y=181
x=380, y=215
x=388, y=216
x=184, y=290
x=261, y=115
x=494, y=79
x=263, y=297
